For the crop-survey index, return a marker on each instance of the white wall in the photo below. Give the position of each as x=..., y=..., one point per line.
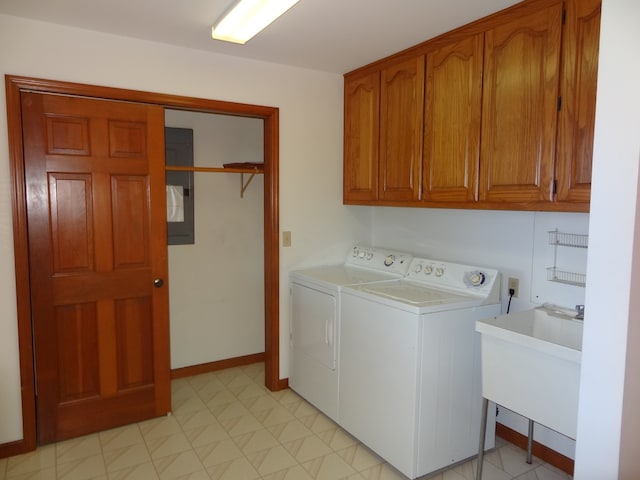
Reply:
x=608, y=349
x=310, y=106
x=216, y=285
x=516, y=243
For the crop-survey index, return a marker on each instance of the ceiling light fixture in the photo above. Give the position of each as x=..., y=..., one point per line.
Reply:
x=247, y=18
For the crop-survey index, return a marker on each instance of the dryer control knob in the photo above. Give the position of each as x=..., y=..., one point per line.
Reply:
x=439, y=271
x=428, y=269
x=388, y=261
x=417, y=268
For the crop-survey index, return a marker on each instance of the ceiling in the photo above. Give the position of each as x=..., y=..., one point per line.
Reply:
x=327, y=35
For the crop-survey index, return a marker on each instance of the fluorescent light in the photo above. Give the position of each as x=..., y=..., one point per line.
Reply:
x=248, y=17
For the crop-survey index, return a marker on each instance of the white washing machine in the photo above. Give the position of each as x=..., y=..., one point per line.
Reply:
x=410, y=386
x=315, y=319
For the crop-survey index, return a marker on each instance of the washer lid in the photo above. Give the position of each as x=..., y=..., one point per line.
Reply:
x=413, y=297
x=415, y=294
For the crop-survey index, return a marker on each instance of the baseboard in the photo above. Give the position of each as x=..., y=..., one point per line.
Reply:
x=283, y=383
x=15, y=448
x=541, y=451
x=218, y=365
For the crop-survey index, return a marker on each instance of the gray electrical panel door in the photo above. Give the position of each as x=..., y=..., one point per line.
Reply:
x=180, y=192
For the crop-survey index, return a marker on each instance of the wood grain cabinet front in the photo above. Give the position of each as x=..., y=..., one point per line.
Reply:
x=361, y=134
x=453, y=102
x=576, y=119
x=401, y=117
x=498, y=114
x=383, y=133
x=519, y=111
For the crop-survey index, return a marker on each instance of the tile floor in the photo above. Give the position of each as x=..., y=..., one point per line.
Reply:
x=227, y=426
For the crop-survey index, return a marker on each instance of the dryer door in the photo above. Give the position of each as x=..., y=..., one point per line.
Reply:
x=313, y=322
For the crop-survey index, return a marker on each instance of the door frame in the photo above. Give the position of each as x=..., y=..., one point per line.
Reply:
x=270, y=116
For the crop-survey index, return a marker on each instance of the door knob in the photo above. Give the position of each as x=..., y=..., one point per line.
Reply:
x=158, y=282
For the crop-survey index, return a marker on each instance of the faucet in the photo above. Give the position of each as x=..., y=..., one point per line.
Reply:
x=580, y=310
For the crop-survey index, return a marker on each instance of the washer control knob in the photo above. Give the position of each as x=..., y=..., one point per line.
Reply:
x=439, y=271
x=477, y=279
x=360, y=254
x=388, y=261
x=428, y=269
x=417, y=268
x=369, y=255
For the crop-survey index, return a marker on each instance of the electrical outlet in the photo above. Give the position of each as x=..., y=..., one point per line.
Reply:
x=514, y=285
x=286, y=239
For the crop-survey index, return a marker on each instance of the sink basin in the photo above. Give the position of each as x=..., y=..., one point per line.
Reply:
x=531, y=365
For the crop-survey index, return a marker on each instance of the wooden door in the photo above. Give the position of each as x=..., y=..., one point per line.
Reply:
x=401, y=117
x=453, y=105
x=520, y=95
x=97, y=243
x=361, y=133
x=576, y=121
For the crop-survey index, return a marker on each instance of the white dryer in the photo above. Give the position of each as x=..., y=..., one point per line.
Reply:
x=410, y=386
x=315, y=318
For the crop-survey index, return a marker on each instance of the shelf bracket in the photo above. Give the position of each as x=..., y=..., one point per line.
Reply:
x=243, y=186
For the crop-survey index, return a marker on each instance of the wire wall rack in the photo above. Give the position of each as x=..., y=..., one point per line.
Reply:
x=576, y=240
x=572, y=240
x=568, y=278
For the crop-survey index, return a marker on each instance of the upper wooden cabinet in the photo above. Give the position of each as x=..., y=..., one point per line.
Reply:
x=497, y=114
x=576, y=119
x=361, y=134
x=520, y=107
x=453, y=100
x=401, y=93
x=383, y=133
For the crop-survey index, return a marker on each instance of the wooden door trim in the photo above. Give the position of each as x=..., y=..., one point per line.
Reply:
x=270, y=115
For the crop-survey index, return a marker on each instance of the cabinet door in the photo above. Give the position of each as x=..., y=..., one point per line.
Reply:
x=578, y=89
x=520, y=95
x=453, y=101
x=361, y=131
x=401, y=114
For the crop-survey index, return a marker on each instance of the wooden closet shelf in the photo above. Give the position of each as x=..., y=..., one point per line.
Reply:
x=254, y=170
x=251, y=168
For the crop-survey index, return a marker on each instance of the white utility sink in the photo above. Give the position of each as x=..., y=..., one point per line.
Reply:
x=531, y=365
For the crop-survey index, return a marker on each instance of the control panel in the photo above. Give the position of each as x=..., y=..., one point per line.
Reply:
x=437, y=273
x=379, y=259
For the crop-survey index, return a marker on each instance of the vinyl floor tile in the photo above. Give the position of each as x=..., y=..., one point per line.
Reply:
x=227, y=426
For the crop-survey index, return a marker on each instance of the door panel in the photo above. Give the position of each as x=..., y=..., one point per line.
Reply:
x=453, y=102
x=130, y=235
x=576, y=121
x=97, y=240
x=71, y=220
x=401, y=120
x=361, y=134
x=79, y=375
x=134, y=323
x=520, y=95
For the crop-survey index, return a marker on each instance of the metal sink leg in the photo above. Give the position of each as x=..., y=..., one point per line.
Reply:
x=483, y=432
x=530, y=442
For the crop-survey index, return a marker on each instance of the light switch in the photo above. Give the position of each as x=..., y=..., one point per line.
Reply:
x=286, y=239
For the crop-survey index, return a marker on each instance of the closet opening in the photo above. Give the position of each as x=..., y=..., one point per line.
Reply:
x=215, y=222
